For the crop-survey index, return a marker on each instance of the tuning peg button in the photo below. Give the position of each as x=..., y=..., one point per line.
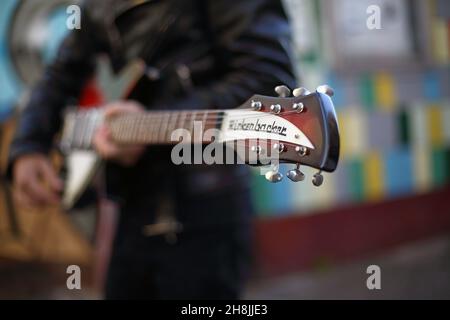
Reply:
x=275, y=108
x=299, y=107
x=317, y=179
x=301, y=150
x=256, y=105
x=256, y=149
x=274, y=176
x=301, y=92
x=279, y=147
x=325, y=89
x=283, y=91
x=295, y=175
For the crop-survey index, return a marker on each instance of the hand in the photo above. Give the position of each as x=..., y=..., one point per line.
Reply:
x=36, y=182
x=126, y=155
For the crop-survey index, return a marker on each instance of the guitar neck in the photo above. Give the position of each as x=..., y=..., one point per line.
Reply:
x=157, y=127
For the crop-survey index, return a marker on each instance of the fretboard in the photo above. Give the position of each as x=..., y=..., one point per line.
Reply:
x=157, y=127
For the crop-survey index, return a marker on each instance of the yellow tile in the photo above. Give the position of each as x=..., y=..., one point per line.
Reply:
x=435, y=127
x=342, y=119
x=385, y=92
x=440, y=41
x=374, y=176
x=446, y=123
x=422, y=167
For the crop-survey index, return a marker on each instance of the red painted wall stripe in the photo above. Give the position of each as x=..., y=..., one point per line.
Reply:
x=298, y=242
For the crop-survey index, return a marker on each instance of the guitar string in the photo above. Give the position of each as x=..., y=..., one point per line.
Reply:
x=155, y=120
x=158, y=115
x=153, y=127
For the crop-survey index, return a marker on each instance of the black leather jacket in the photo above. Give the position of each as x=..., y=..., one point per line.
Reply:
x=232, y=49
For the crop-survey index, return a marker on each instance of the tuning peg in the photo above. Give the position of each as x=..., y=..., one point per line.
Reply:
x=274, y=176
x=279, y=147
x=283, y=91
x=301, y=92
x=325, y=89
x=275, y=108
x=318, y=179
x=256, y=149
x=301, y=150
x=299, y=107
x=256, y=105
x=296, y=175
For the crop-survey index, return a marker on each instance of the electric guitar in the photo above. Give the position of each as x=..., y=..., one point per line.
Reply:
x=301, y=129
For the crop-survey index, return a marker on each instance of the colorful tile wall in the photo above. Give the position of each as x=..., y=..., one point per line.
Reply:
x=389, y=149
x=9, y=85
x=394, y=125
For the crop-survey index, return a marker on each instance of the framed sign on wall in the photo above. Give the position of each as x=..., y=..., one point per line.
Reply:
x=373, y=34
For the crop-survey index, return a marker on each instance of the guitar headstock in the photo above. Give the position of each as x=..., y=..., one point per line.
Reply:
x=301, y=129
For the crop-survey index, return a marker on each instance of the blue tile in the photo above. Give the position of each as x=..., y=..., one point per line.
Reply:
x=399, y=172
x=432, y=86
x=339, y=98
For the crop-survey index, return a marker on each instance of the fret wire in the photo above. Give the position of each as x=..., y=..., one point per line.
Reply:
x=171, y=128
x=205, y=117
x=159, y=122
x=90, y=129
x=139, y=129
x=156, y=126
x=131, y=129
x=81, y=128
x=168, y=130
x=193, y=115
x=161, y=127
x=146, y=134
x=122, y=130
x=153, y=130
x=143, y=129
x=151, y=127
x=183, y=119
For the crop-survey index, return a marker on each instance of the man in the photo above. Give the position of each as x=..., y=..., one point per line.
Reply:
x=200, y=54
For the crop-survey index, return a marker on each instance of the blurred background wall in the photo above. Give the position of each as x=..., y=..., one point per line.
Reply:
x=392, y=97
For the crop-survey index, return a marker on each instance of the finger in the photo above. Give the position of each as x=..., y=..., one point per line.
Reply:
x=22, y=198
x=103, y=144
x=38, y=193
x=120, y=107
x=50, y=176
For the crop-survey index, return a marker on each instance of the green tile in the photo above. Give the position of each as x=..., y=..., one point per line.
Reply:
x=440, y=166
x=260, y=194
x=447, y=165
x=366, y=91
x=356, y=179
x=404, y=127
